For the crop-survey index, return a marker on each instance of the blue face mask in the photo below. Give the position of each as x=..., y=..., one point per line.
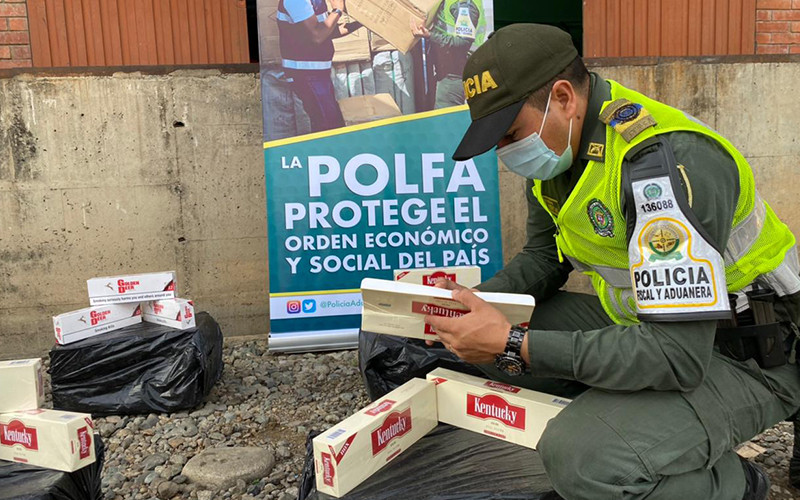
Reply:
x=530, y=157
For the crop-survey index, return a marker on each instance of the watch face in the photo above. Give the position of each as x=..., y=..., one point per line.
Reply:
x=510, y=366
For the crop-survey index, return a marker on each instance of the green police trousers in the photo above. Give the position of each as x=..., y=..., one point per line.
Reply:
x=654, y=444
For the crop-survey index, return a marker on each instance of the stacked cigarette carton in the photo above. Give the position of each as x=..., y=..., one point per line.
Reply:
x=351, y=451
x=494, y=409
x=354, y=449
x=35, y=436
x=120, y=301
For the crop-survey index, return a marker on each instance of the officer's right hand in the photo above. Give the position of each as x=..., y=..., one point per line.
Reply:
x=337, y=4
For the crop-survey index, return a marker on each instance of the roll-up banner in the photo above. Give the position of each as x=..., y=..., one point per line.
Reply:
x=361, y=117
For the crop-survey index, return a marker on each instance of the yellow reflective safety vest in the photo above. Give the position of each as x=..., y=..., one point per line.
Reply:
x=460, y=23
x=665, y=268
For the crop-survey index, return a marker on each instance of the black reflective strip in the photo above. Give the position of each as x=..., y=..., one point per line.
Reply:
x=658, y=163
x=688, y=316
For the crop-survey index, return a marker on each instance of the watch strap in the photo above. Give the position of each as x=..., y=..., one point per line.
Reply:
x=515, y=338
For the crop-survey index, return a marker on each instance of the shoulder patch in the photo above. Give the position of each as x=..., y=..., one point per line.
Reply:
x=596, y=150
x=628, y=119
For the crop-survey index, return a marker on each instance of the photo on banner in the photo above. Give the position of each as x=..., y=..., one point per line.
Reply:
x=361, y=114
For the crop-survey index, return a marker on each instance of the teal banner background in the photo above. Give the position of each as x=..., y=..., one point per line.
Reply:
x=361, y=201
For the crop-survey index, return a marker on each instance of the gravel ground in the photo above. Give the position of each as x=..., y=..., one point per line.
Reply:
x=272, y=401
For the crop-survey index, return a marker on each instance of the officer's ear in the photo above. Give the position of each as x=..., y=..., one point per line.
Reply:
x=564, y=97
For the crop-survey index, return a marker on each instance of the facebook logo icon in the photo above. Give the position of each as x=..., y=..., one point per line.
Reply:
x=309, y=306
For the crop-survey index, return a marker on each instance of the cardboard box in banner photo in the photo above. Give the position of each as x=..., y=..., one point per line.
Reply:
x=368, y=108
x=391, y=19
x=350, y=48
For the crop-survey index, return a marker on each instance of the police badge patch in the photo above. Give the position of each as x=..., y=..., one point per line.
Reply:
x=652, y=191
x=664, y=239
x=627, y=118
x=601, y=218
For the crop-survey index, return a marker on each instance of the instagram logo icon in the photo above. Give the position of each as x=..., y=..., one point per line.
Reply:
x=293, y=307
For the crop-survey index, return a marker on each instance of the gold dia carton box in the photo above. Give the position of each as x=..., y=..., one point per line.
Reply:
x=131, y=288
x=351, y=451
x=91, y=321
x=397, y=308
x=492, y=408
x=468, y=276
x=175, y=313
x=47, y=438
x=21, y=385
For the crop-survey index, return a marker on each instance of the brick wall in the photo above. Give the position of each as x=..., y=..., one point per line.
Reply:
x=15, y=40
x=778, y=27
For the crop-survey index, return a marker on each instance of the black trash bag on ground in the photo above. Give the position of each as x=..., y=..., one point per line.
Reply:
x=794, y=463
x=28, y=482
x=308, y=478
x=387, y=361
x=139, y=369
x=452, y=464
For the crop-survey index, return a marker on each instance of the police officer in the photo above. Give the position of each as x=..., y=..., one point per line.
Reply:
x=306, y=31
x=459, y=26
x=663, y=214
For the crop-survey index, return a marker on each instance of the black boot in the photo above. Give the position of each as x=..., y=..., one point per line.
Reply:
x=757, y=487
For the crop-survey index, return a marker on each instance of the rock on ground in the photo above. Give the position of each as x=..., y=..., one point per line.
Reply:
x=221, y=468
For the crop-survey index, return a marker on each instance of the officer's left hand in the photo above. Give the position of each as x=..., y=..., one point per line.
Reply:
x=478, y=336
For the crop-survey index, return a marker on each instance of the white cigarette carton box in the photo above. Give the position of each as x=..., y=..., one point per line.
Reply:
x=492, y=408
x=397, y=308
x=47, y=438
x=351, y=451
x=468, y=276
x=175, y=313
x=21, y=385
x=131, y=288
x=84, y=323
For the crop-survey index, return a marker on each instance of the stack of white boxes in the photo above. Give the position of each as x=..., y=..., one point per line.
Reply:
x=351, y=451
x=121, y=301
x=31, y=435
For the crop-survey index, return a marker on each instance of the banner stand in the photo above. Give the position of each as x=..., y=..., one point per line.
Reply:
x=324, y=340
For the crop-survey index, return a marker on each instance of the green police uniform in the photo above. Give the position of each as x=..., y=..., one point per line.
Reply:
x=664, y=409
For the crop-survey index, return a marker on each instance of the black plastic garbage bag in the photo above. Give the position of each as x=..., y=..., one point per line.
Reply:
x=139, y=369
x=387, y=361
x=452, y=464
x=794, y=462
x=27, y=482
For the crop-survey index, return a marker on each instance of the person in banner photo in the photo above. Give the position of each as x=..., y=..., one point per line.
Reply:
x=459, y=26
x=668, y=374
x=306, y=30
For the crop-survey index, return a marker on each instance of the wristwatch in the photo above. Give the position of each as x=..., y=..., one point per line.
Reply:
x=510, y=362
x=336, y=11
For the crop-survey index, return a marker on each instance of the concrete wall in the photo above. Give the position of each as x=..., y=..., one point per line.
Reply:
x=108, y=174
x=129, y=172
